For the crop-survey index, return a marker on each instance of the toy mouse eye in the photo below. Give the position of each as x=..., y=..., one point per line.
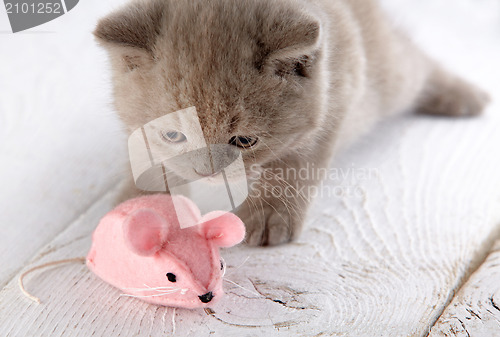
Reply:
x=221, y=265
x=171, y=277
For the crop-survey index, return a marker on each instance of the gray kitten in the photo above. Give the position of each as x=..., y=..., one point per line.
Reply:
x=287, y=81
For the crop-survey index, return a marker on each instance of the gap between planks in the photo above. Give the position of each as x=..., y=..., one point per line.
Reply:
x=476, y=262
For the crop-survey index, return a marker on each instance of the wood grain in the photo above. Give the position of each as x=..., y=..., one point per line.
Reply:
x=475, y=310
x=382, y=260
x=55, y=114
x=380, y=256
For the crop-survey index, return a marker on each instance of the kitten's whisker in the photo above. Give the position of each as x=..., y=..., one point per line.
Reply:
x=253, y=204
x=271, y=136
x=275, y=210
x=273, y=153
x=281, y=180
x=288, y=207
x=283, y=198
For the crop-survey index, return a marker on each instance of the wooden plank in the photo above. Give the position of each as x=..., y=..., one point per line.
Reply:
x=55, y=116
x=475, y=310
x=382, y=260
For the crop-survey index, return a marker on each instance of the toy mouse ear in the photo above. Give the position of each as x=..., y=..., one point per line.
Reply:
x=223, y=228
x=145, y=232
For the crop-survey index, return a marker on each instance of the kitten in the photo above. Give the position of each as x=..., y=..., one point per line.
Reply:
x=287, y=81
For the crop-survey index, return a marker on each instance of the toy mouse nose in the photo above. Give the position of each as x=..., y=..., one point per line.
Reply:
x=207, y=297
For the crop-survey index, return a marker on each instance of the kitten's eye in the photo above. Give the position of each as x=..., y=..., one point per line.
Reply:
x=171, y=277
x=300, y=69
x=293, y=67
x=173, y=136
x=243, y=142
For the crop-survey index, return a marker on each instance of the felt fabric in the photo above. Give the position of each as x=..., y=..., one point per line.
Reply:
x=140, y=248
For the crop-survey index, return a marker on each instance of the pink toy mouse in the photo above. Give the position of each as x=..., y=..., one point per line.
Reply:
x=140, y=248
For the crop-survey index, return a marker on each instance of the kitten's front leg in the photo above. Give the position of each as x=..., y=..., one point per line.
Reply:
x=276, y=208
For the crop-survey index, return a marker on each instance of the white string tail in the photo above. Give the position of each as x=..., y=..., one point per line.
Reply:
x=45, y=265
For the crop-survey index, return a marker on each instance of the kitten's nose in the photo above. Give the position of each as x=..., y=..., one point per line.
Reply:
x=207, y=297
x=209, y=174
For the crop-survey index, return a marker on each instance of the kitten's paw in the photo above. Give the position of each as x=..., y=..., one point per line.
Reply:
x=274, y=231
x=268, y=226
x=449, y=95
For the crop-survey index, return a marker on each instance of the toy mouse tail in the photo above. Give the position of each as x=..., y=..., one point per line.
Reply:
x=45, y=265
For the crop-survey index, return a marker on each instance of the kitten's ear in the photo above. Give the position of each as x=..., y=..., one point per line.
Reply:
x=291, y=44
x=295, y=38
x=129, y=34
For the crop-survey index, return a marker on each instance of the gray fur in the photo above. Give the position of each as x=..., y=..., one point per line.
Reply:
x=305, y=76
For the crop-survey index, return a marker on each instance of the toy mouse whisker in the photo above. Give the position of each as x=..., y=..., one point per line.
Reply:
x=140, y=248
x=153, y=288
x=239, y=286
x=161, y=287
x=223, y=266
x=153, y=295
x=183, y=290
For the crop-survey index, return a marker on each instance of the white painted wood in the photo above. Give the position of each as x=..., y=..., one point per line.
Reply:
x=384, y=259
x=55, y=116
x=384, y=264
x=475, y=310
